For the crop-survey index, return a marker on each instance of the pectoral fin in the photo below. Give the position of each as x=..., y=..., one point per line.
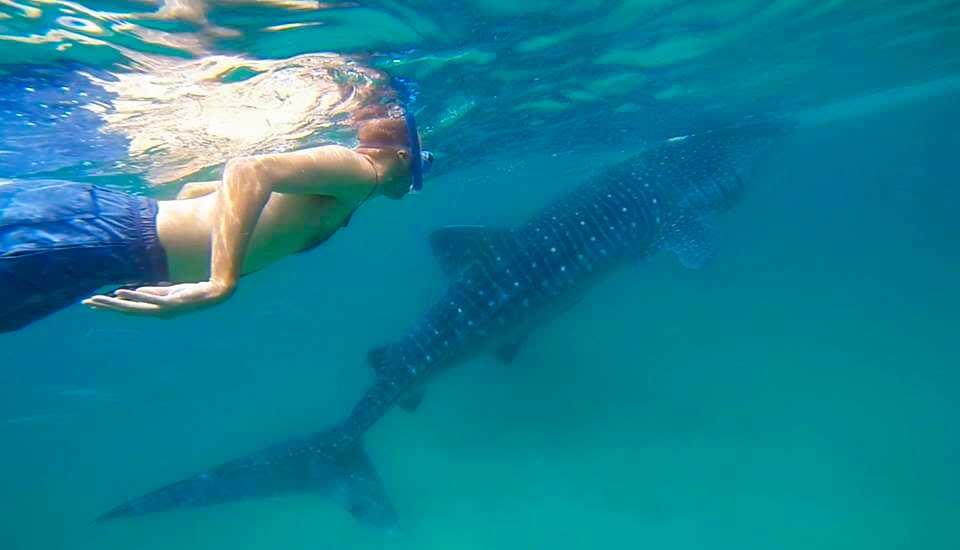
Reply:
x=692, y=238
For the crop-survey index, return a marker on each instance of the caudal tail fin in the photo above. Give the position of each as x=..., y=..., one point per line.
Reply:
x=303, y=465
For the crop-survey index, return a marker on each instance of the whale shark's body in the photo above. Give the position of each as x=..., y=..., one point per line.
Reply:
x=504, y=283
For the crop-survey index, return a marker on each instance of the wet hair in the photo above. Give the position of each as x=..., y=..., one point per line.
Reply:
x=384, y=133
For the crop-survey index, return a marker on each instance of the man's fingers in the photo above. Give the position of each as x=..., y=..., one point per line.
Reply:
x=141, y=297
x=98, y=301
x=108, y=302
x=155, y=290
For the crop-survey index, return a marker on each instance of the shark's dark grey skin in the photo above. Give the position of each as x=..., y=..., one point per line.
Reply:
x=504, y=283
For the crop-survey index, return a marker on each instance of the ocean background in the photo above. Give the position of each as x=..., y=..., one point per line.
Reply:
x=800, y=392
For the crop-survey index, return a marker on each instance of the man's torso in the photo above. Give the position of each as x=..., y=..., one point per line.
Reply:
x=288, y=224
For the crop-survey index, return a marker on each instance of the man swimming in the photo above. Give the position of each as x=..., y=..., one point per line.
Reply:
x=61, y=241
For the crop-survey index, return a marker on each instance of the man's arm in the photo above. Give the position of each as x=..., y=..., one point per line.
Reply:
x=330, y=170
x=243, y=192
x=248, y=182
x=196, y=189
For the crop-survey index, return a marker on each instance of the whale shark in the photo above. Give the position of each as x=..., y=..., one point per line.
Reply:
x=504, y=283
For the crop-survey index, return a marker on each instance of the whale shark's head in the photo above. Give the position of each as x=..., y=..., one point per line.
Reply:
x=712, y=166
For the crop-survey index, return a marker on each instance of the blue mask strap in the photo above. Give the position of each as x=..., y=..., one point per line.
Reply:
x=416, y=158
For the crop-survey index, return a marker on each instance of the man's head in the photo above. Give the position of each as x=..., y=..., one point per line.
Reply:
x=394, y=144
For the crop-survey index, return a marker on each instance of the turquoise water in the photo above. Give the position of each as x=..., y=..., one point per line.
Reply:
x=800, y=392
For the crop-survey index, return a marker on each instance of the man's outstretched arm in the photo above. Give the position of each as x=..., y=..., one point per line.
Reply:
x=247, y=184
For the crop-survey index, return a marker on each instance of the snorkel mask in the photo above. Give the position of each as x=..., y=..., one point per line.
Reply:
x=420, y=161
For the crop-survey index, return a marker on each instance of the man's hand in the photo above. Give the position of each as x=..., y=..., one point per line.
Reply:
x=162, y=301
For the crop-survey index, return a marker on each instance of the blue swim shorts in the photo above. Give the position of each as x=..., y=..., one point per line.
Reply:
x=62, y=241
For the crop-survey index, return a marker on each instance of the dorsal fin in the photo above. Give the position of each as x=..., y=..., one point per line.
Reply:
x=378, y=358
x=456, y=246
